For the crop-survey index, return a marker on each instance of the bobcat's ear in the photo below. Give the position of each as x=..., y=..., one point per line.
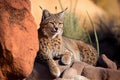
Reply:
x=61, y=14
x=45, y=14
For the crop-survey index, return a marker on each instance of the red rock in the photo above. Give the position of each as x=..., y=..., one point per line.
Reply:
x=110, y=64
x=113, y=74
x=79, y=66
x=61, y=79
x=97, y=73
x=106, y=62
x=78, y=71
x=93, y=73
x=69, y=73
x=41, y=71
x=18, y=39
x=78, y=77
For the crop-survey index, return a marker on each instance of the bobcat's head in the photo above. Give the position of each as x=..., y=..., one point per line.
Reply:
x=52, y=24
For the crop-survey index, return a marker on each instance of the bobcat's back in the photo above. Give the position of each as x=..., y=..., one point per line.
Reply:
x=81, y=51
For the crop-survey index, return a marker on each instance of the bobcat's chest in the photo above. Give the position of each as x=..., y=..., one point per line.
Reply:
x=52, y=47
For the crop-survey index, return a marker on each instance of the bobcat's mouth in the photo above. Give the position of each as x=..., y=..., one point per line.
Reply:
x=54, y=30
x=57, y=33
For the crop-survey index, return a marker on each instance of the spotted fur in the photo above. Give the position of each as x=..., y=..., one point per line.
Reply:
x=54, y=45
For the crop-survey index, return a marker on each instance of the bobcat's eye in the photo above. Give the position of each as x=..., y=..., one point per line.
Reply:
x=45, y=23
x=51, y=23
x=61, y=24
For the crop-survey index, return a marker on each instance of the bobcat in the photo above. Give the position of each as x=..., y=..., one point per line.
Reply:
x=53, y=45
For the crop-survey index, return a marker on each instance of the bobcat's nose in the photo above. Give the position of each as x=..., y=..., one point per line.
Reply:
x=54, y=29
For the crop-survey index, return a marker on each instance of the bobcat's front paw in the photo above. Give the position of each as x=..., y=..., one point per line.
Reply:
x=66, y=59
x=54, y=69
x=55, y=72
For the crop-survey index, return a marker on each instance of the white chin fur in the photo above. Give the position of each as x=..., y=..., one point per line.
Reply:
x=58, y=32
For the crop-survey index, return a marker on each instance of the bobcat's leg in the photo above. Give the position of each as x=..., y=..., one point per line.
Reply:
x=66, y=58
x=53, y=68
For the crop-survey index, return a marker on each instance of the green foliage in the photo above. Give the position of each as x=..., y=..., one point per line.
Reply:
x=95, y=33
x=73, y=29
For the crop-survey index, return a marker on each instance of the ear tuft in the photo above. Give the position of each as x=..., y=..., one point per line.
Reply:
x=45, y=14
x=61, y=14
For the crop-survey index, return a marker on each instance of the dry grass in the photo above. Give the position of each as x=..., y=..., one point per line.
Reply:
x=72, y=28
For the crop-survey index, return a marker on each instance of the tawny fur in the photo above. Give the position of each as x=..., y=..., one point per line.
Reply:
x=54, y=45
